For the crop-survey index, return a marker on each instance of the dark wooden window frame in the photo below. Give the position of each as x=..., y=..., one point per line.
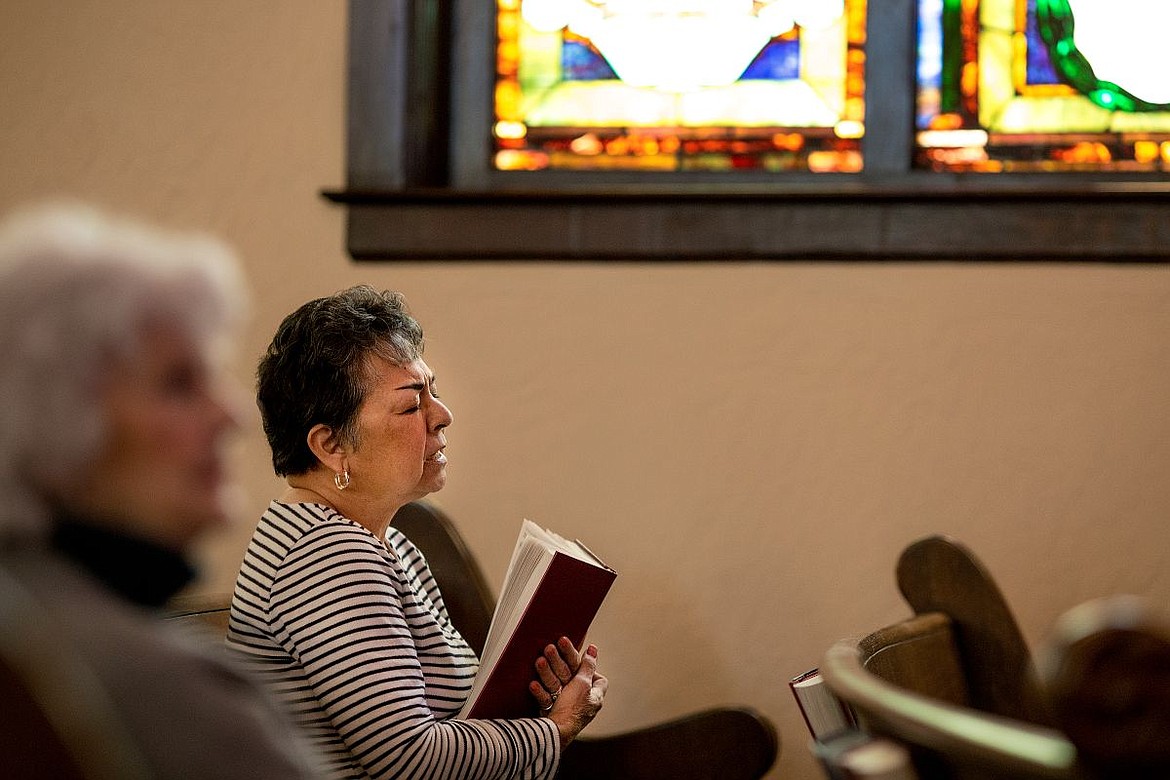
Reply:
x=418, y=185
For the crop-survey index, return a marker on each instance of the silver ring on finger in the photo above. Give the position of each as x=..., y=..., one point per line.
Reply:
x=552, y=699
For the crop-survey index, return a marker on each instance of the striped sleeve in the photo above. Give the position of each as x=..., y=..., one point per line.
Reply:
x=344, y=612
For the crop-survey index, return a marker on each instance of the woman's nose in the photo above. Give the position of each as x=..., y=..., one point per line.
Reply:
x=441, y=416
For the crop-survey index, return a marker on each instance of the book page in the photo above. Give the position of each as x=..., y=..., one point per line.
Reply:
x=529, y=560
x=534, y=548
x=557, y=542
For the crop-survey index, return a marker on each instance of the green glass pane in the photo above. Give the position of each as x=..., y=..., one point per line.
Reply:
x=1043, y=85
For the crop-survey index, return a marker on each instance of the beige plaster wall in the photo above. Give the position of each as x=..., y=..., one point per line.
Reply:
x=749, y=445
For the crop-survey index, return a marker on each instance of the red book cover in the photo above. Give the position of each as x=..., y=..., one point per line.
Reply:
x=564, y=603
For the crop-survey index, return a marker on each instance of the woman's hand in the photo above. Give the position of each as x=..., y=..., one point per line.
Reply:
x=568, y=687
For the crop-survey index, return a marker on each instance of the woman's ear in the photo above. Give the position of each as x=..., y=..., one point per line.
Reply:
x=324, y=442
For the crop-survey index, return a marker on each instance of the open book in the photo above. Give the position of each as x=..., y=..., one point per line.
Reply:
x=554, y=587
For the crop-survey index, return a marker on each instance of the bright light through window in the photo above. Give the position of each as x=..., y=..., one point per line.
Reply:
x=680, y=84
x=1043, y=85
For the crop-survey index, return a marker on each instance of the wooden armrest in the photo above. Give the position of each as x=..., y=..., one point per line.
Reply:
x=1005, y=747
x=726, y=743
x=206, y=612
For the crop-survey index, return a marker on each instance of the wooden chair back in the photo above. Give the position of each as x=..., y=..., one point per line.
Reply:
x=940, y=574
x=919, y=655
x=1107, y=667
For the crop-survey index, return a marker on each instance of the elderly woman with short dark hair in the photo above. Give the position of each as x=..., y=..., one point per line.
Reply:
x=112, y=429
x=335, y=608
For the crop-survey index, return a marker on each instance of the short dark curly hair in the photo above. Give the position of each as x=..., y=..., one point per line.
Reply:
x=315, y=371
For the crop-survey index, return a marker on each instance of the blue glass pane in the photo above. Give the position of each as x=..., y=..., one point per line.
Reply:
x=581, y=62
x=1040, y=70
x=930, y=56
x=780, y=59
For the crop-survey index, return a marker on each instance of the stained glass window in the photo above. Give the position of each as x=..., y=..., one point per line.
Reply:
x=679, y=85
x=1043, y=85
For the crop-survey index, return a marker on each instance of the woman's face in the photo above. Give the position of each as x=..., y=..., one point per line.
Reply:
x=398, y=456
x=161, y=474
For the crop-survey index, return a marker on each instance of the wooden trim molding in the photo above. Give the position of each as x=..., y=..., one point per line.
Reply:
x=1031, y=226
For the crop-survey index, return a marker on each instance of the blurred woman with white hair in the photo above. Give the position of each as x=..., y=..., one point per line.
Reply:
x=113, y=417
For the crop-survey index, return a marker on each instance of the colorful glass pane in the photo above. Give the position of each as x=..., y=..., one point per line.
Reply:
x=1043, y=85
x=679, y=85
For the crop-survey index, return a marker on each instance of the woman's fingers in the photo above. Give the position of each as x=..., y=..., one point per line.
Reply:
x=571, y=657
x=546, y=674
x=562, y=660
x=544, y=699
x=597, y=684
x=556, y=667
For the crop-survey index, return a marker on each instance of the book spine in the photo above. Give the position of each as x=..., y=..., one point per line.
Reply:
x=799, y=702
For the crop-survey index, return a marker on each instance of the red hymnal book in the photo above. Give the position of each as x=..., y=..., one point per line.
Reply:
x=554, y=588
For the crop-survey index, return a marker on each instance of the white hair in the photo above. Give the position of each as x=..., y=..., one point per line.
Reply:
x=77, y=288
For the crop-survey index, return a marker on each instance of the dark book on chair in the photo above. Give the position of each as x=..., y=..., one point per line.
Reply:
x=554, y=587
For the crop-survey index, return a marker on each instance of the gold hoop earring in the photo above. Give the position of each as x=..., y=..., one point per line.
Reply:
x=341, y=479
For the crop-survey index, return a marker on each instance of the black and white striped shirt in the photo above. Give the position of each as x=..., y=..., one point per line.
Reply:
x=352, y=634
